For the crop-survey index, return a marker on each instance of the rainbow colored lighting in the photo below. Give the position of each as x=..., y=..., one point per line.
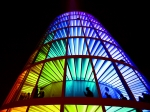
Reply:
x=77, y=52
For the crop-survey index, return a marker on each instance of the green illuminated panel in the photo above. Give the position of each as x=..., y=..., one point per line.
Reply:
x=42, y=53
x=49, y=38
x=45, y=108
x=31, y=79
x=51, y=78
x=82, y=108
x=57, y=48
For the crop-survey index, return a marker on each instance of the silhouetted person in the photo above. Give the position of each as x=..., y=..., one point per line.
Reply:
x=141, y=99
x=122, y=97
x=122, y=60
x=41, y=94
x=106, y=88
x=107, y=95
x=89, y=93
x=28, y=96
x=146, y=97
x=21, y=96
x=35, y=93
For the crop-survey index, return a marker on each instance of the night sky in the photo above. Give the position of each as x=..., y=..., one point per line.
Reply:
x=24, y=23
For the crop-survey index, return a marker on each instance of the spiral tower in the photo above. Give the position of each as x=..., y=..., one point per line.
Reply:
x=78, y=67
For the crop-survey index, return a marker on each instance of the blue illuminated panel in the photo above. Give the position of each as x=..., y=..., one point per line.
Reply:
x=132, y=79
x=77, y=46
x=96, y=48
x=107, y=76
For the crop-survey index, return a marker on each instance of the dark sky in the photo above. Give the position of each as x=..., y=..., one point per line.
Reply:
x=24, y=23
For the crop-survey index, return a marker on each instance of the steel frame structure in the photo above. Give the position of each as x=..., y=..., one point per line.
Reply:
x=78, y=52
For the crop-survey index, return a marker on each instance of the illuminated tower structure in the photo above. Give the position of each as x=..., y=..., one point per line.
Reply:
x=76, y=54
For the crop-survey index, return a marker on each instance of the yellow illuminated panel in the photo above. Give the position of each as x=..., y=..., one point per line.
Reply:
x=83, y=108
x=30, y=81
x=42, y=53
x=45, y=108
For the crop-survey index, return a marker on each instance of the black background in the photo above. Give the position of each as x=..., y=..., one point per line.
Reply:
x=24, y=23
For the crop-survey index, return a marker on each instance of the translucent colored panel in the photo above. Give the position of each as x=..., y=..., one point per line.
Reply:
x=79, y=69
x=15, y=87
x=114, y=92
x=107, y=77
x=57, y=49
x=90, y=32
x=86, y=23
x=82, y=108
x=63, y=24
x=77, y=46
x=77, y=88
x=92, y=108
x=45, y=108
x=137, y=86
x=53, y=27
x=30, y=82
x=75, y=22
x=96, y=48
x=72, y=16
x=42, y=53
x=119, y=109
x=100, y=33
x=18, y=109
x=97, y=26
x=51, y=78
x=143, y=79
x=5, y=110
x=70, y=108
x=49, y=38
x=84, y=17
x=61, y=33
x=75, y=31
x=115, y=52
